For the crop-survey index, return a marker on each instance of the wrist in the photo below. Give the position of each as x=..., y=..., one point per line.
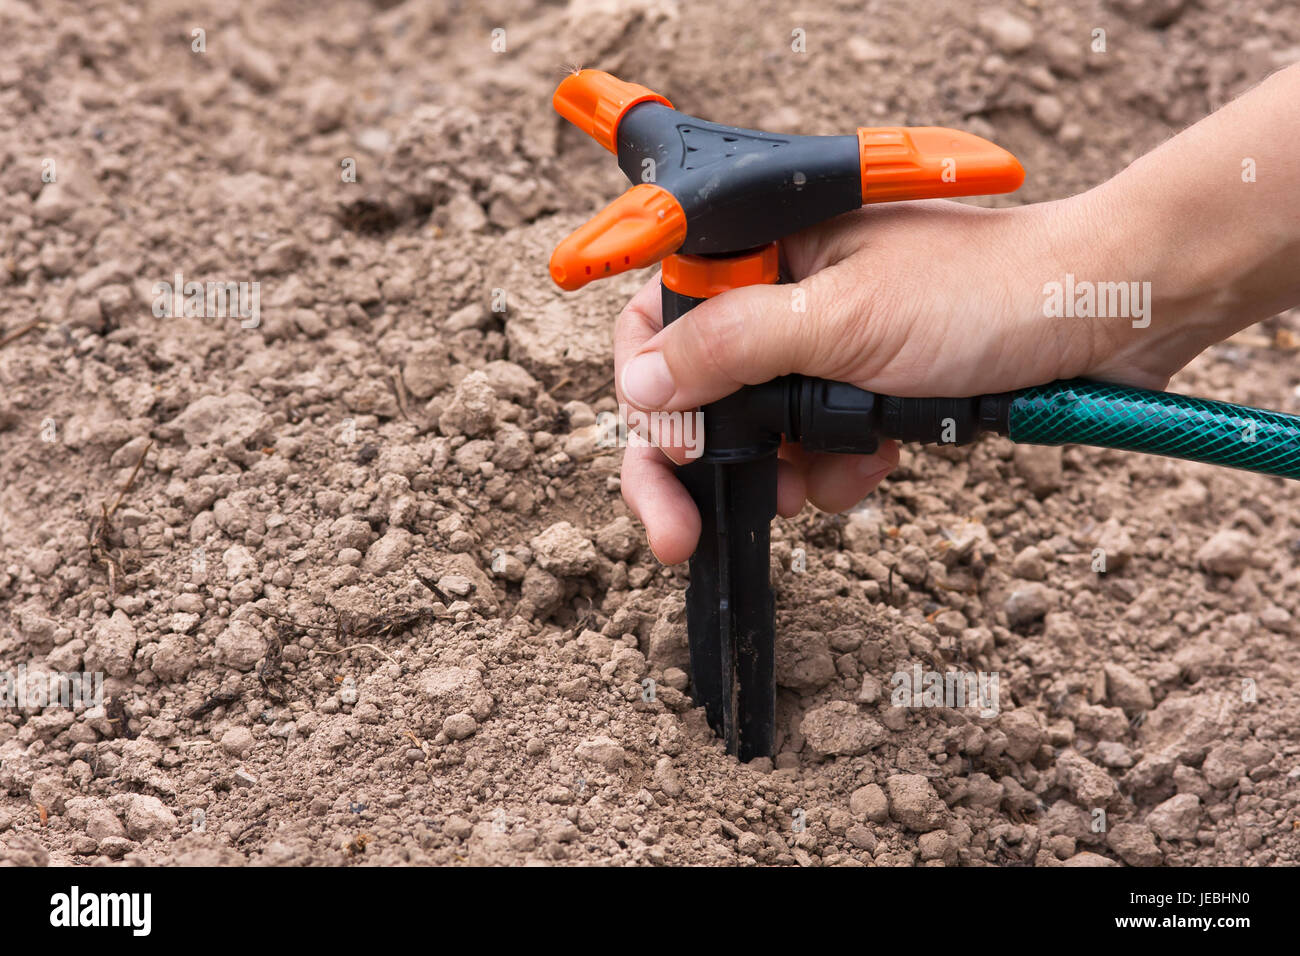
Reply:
x=1151, y=309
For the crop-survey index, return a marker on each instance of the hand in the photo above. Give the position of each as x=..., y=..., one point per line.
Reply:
x=928, y=299
x=944, y=299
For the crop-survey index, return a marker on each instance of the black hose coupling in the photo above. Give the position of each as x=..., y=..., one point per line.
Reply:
x=837, y=417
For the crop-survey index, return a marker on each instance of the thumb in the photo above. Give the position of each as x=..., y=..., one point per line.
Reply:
x=744, y=336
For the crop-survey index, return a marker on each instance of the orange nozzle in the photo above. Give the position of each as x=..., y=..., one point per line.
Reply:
x=931, y=162
x=636, y=230
x=594, y=101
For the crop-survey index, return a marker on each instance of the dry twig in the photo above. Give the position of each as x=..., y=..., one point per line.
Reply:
x=19, y=332
x=102, y=527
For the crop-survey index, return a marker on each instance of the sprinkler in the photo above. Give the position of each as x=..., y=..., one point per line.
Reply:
x=711, y=202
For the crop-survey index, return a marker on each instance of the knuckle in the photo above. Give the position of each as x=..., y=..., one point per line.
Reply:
x=716, y=342
x=848, y=319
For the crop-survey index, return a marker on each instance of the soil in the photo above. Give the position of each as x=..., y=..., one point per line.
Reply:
x=360, y=577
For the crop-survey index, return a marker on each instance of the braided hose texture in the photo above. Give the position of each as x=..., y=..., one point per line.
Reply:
x=1158, y=423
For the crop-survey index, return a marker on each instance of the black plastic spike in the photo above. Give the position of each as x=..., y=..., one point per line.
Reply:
x=730, y=608
x=731, y=624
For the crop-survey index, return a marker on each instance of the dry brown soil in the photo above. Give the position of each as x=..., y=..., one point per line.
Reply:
x=373, y=596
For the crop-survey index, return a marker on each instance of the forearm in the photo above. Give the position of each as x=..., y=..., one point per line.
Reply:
x=1212, y=217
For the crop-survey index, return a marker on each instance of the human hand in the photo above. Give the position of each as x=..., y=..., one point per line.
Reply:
x=942, y=299
x=925, y=299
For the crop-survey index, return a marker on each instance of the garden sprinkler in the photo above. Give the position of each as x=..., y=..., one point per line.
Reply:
x=712, y=202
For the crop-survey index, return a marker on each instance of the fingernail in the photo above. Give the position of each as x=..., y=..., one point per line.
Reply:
x=647, y=383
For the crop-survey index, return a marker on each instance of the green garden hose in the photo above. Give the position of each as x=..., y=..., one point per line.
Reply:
x=1159, y=423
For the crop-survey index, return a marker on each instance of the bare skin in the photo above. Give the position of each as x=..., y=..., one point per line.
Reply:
x=939, y=298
